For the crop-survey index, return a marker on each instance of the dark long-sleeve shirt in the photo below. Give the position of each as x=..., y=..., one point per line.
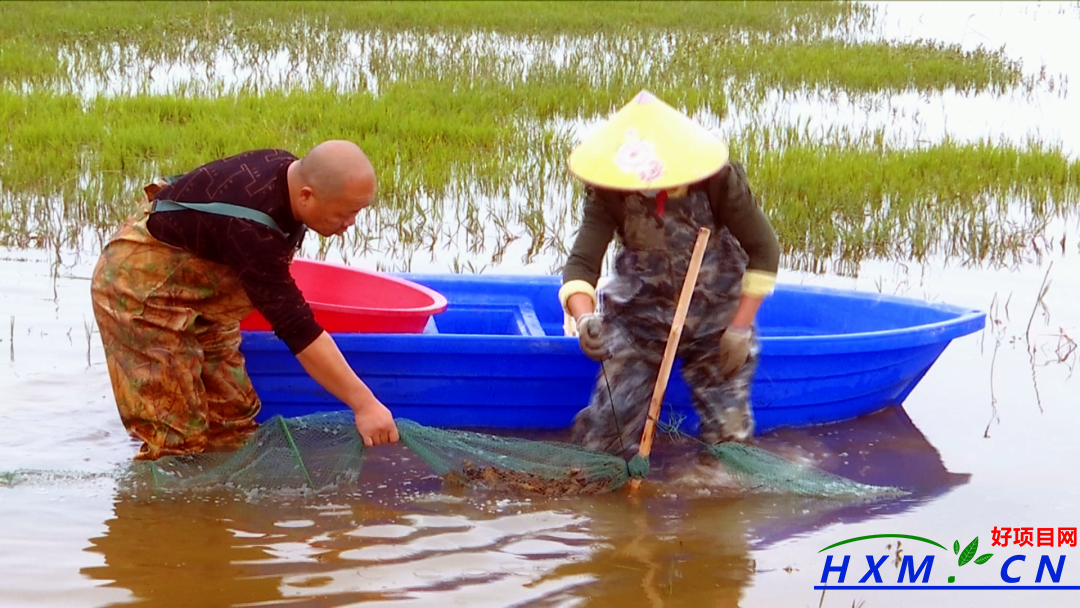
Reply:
x=258, y=254
x=733, y=205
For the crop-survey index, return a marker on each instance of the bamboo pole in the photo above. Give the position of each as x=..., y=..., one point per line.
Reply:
x=672, y=347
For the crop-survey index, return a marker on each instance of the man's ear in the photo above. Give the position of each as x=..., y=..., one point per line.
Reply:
x=307, y=195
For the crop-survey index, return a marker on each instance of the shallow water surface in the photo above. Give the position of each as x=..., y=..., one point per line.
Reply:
x=986, y=440
x=402, y=537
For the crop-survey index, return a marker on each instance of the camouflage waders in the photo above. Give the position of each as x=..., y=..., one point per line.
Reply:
x=638, y=306
x=170, y=325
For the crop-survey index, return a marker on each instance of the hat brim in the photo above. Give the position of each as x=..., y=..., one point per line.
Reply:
x=647, y=145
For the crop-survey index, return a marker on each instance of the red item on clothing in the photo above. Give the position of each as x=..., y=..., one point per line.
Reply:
x=661, y=198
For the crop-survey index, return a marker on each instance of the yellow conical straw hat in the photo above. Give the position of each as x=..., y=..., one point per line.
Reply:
x=648, y=145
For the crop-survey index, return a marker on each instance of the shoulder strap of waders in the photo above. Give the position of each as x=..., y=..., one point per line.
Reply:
x=225, y=209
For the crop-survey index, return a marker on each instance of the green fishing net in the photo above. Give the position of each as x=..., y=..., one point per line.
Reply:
x=323, y=451
x=316, y=451
x=760, y=471
x=508, y=463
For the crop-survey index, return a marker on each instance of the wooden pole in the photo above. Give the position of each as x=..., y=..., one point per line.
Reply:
x=672, y=347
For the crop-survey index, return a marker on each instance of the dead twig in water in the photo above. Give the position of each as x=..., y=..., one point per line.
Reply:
x=1043, y=288
x=89, y=333
x=993, y=397
x=1038, y=301
x=1035, y=382
x=995, y=317
x=997, y=327
x=1065, y=349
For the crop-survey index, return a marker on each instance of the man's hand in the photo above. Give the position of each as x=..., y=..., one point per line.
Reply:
x=376, y=424
x=589, y=329
x=325, y=363
x=734, y=350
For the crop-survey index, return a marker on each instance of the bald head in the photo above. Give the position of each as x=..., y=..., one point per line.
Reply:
x=333, y=166
x=330, y=185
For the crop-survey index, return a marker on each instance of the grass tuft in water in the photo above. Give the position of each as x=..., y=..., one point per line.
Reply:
x=468, y=110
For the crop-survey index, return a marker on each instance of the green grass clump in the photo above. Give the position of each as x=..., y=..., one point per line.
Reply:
x=468, y=109
x=827, y=199
x=981, y=202
x=754, y=47
x=58, y=23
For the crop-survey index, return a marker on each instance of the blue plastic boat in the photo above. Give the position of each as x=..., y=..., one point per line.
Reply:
x=497, y=358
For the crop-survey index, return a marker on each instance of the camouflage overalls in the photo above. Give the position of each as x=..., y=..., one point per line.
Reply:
x=170, y=325
x=638, y=306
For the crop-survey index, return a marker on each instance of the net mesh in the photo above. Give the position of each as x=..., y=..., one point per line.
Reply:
x=323, y=451
x=316, y=451
x=760, y=471
x=506, y=463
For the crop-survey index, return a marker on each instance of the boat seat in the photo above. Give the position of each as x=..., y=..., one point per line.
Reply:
x=508, y=315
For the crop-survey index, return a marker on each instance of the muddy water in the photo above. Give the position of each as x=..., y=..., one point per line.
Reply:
x=987, y=439
x=402, y=538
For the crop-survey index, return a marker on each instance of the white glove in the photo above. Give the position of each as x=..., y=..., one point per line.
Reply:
x=589, y=329
x=734, y=350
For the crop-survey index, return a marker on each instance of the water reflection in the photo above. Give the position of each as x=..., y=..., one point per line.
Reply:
x=180, y=552
x=885, y=448
x=402, y=538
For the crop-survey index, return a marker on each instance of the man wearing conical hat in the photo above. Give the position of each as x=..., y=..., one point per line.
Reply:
x=654, y=177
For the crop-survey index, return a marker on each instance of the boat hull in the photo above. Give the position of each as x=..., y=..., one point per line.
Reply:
x=497, y=358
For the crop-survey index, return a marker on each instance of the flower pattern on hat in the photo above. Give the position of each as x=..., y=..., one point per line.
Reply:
x=638, y=156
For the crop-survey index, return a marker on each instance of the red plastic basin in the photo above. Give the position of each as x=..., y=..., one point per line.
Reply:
x=352, y=300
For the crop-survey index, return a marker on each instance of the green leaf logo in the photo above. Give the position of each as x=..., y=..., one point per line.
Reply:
x=969, y=551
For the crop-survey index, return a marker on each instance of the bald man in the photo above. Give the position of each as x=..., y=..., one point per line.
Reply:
x=206, y=249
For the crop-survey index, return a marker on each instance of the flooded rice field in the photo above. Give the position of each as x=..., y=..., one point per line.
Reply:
x=985, y=442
